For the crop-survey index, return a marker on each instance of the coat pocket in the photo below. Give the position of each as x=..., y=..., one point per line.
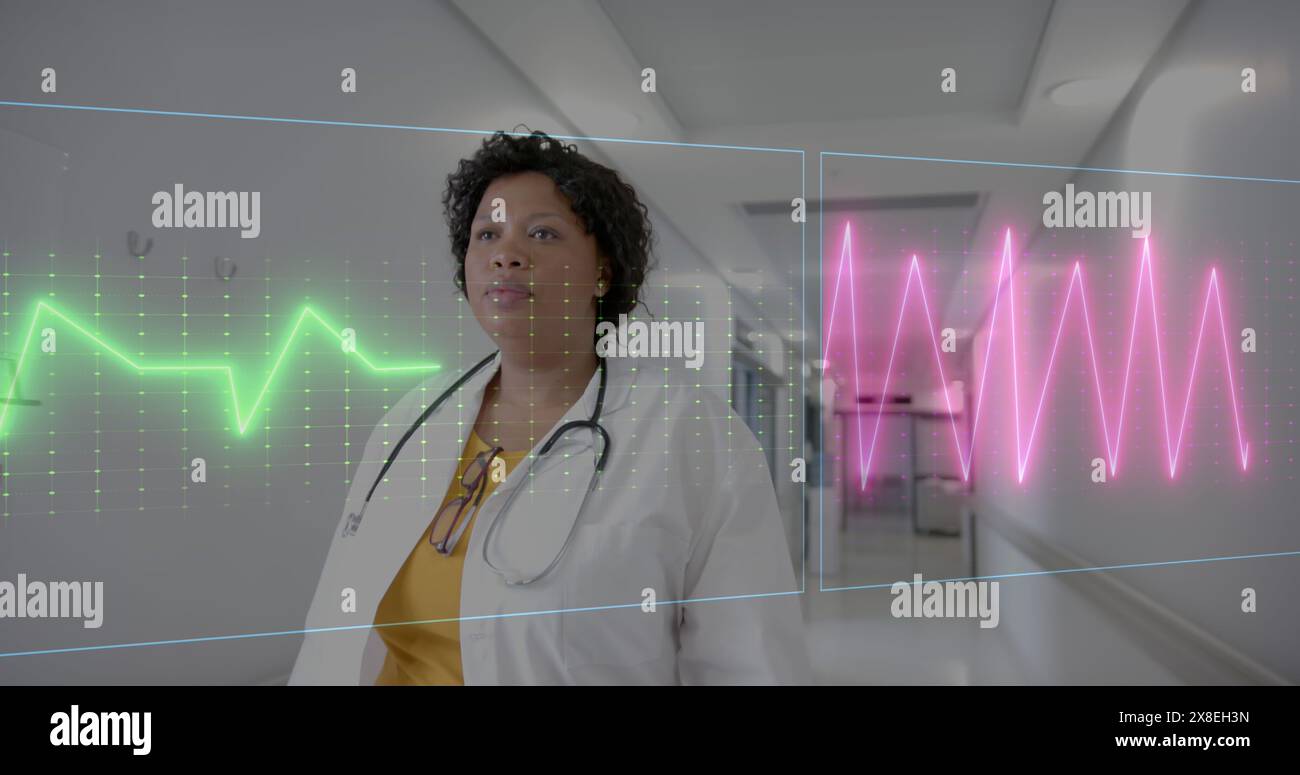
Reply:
x=605, y=619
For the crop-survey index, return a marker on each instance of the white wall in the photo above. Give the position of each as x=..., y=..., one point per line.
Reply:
x=1187, y=114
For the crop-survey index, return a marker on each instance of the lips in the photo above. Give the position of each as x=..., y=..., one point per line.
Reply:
x=508, y=293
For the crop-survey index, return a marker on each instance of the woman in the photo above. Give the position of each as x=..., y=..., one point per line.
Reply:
x=600, y=525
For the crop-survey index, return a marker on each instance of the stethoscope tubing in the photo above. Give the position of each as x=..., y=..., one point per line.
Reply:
x=593, y=423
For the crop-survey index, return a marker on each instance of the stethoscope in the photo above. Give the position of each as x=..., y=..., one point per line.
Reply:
x=511, y=577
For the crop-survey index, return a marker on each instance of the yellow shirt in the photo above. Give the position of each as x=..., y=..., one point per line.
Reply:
x=427, y=590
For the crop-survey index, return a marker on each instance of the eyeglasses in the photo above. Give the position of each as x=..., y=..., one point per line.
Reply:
x=452, y=519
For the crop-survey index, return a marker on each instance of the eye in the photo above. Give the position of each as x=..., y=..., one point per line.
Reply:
x=543, y=230
x=479, y=236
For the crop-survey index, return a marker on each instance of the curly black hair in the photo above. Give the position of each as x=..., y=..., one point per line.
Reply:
x=607, y=206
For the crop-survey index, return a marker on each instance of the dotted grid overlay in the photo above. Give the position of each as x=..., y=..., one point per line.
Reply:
x=105, y=424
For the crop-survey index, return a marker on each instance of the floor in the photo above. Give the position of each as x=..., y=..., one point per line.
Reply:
x=1047, y=632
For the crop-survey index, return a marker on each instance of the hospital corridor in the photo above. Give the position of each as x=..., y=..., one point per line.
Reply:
x=610, y=342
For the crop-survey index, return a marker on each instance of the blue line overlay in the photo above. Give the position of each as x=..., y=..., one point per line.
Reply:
x=1092, y=569
x=981, y=162
x=342, y=628
x=821, y=251
x=368, y=125
x=244, y=636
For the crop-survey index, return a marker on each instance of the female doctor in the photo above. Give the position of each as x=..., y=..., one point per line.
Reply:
x=544, y=514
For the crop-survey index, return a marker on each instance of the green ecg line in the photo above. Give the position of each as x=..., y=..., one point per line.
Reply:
x=242, y=419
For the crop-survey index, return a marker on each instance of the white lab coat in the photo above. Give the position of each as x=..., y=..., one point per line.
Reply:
x=685, y=508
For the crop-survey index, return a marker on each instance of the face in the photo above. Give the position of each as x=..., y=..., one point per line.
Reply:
x=532, y=279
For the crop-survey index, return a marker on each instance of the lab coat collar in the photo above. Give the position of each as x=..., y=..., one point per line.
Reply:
x=620, y=379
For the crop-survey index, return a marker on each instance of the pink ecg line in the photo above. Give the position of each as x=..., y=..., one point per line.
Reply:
x=1173, y=442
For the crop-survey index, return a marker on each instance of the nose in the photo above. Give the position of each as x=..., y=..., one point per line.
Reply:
x=508, y=255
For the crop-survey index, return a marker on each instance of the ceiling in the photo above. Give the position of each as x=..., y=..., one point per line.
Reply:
x=753, y=62
x=843, y=77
